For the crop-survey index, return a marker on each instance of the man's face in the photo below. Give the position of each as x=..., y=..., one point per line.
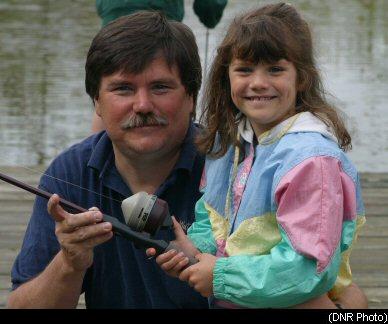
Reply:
x=146, y=113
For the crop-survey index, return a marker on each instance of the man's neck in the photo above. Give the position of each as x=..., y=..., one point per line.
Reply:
x=145, y=173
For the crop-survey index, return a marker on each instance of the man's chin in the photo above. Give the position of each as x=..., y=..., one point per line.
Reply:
x=145, y=147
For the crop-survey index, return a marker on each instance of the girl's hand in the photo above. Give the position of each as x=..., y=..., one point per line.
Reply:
x=173, y=262
x=200, y=275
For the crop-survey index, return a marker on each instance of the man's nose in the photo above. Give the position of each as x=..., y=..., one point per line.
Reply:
x=142, y=102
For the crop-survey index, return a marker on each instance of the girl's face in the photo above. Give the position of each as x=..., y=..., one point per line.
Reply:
x=265, y=93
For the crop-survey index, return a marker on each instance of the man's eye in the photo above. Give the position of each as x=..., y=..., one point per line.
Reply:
x=276, y=69
x=123, y=88
x=160, y=88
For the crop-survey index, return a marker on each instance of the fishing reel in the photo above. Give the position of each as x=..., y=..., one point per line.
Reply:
x=146, y=213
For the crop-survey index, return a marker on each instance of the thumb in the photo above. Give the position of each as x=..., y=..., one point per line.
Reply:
x=55, y=209
x=150, y=252
x=178, y=230
x=199, y=256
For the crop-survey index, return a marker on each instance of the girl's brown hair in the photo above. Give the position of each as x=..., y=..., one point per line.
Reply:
x=266, y=35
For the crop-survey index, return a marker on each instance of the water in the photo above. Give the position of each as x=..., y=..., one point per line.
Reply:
x=43, y=45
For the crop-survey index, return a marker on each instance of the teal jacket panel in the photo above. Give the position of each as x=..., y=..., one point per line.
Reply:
x=200, y=232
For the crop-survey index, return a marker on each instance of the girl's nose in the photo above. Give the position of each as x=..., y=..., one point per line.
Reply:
x=258, y=81
x=142, y=102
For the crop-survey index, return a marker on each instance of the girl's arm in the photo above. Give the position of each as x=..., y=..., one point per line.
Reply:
x=316, y=215
x=200, y=232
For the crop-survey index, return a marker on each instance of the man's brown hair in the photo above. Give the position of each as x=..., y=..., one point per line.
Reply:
x=130, y=43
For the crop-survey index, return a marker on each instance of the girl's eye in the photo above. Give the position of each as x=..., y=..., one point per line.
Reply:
x=243, y=69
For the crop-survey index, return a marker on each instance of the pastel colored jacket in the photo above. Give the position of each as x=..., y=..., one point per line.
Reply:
x=282, y=217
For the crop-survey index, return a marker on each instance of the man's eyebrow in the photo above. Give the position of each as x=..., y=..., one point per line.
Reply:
x=164, y=80
x=115, y=83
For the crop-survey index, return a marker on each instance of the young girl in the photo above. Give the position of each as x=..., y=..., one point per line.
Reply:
x=281, y=201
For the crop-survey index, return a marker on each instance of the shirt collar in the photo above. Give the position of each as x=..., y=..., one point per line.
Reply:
x=102, y=153
x=245, y=130
x=188, y=152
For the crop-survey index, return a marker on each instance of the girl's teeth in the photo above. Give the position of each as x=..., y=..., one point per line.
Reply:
x=260, y=98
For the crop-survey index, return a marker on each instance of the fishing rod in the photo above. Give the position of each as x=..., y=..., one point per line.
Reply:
x=143, y=213
x=206, y=50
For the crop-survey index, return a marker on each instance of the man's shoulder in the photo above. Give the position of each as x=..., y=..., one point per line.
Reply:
x=71, y=161
x=81, y=150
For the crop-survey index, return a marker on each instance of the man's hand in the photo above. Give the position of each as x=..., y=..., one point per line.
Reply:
x=78, y=234
x=173, y=262
x=200, y=275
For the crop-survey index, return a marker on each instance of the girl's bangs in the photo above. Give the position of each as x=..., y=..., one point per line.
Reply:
x=261, y=42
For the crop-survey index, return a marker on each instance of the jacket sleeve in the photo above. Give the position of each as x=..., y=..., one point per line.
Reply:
x=315, y=202
x=200, y=232
x=209, y=12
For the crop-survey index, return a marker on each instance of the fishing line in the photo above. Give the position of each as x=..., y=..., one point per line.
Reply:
x=61, y=180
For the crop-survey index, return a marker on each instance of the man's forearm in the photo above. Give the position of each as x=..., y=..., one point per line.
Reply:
x=58, y=286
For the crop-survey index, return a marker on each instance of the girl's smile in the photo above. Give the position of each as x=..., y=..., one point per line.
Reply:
x=265, y=93
x=260, y=98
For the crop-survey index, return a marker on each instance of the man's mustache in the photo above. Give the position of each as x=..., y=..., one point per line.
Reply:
x=143, y=120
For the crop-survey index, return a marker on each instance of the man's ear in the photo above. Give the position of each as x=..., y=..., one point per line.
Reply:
x=192, y=111
x=192, y=104
x=97, y=106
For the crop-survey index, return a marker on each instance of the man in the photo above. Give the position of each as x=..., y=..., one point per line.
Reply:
x=143, y=74
x=145, y=89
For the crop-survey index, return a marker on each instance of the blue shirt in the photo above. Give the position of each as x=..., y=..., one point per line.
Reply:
x=121, y=275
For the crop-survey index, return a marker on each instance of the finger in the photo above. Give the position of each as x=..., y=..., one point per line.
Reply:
x=97, y=240
x=55, y=210
x=178, y=231
x=199, y=256
x=169, y=265
x=83, y=219
x=202, y=292
x=151, y=252
x=181, y=265
x=185, y=274
x=165, y=257
x=86, y=233
x=191, y=283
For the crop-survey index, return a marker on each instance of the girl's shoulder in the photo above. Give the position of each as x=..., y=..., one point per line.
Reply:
x=308, y=135
x=308, y=142
x=295, y=148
